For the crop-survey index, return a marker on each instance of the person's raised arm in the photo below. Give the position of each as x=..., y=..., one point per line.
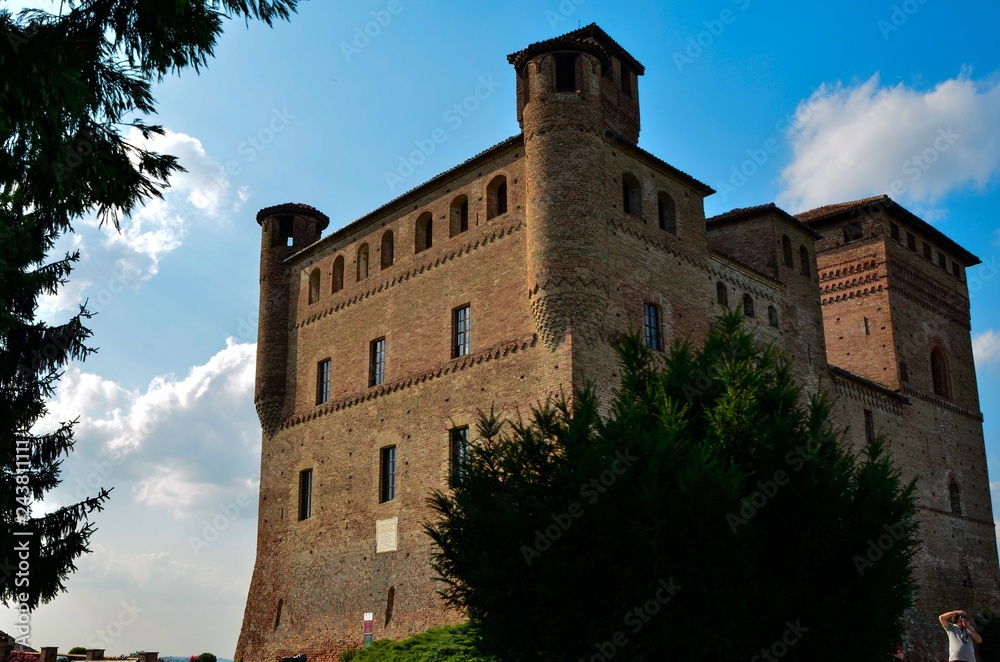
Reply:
x=946, y=617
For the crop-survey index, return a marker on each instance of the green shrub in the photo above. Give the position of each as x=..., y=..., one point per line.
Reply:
x=454, y=643
x=78, y=650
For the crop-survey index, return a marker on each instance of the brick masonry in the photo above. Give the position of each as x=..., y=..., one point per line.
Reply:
x=550, y=280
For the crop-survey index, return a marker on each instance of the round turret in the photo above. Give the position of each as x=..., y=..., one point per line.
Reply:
x=285, y=230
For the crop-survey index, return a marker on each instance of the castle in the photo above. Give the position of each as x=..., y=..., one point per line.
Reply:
x=502, y=280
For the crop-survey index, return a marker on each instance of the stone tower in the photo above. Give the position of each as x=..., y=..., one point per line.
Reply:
x=285, y=230
x=572, y=92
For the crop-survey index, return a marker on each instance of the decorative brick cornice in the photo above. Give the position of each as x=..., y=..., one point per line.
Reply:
x=943, y=403
x=418, y=269
x=867, y=392
x=494, y=353
x=930, y=295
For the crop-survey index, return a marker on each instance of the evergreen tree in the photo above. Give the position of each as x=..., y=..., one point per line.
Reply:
x=714, y=513
x=70, y=84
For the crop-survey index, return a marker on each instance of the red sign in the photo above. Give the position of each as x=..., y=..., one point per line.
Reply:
x=368, y=623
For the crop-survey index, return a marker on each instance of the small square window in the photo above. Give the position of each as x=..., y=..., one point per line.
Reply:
x=651, y=322
x=459, y=449
x=387, y=474
x=376, y=363
x=305, y=494
x=323, y=381
x=461, y=331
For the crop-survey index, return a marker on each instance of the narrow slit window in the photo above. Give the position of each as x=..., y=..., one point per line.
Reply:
x=804, y=260
x=338, y=274
x=748, y=306
x=955, y=496
x=722, y=294
x=666, y=212
x=869, y=426
x=651, y=322
x=786, y=249
x=305, y=494
x=459, y=443
x=772, y=316
x=387, y=474
x=387, y=250
x=376, y=370
x=461, y=324
x=323, y=382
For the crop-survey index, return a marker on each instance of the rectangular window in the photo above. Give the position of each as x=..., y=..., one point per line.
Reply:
x=626, y=82
x=461, y=331
x=942, y=261
x=651, y=320
x=894, y=231
x=305, y=494
x=323, y=381
x=955, y=270
x=376, y=364
x=566, y=72
x=869, y=426
x=387, y=475
x=459, y=448
x=927, y=250
x=911, y=242
x=868, y=327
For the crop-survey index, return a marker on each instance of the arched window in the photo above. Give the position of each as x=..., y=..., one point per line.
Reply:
x=666, y=212
x=496, y=197
x=772, y=316
x=804, y=260
x=955, y=495
x=387, y=249
x=721, y=293
x=338, y=273
x=939, y=373
x=314, y=286
x=747, y=305
x=904, y=372
x=363, y=262
x=424, y=232
x=631, y=195
x=786, y=248
x=459, y=215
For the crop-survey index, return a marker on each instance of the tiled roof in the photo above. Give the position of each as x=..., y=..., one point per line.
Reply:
x=586, y=38
x=831, y=213
x=741, y=213
x=294, y=208
x=869, y=383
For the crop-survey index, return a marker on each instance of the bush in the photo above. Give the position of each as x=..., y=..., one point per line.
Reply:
x=455, y=643
x=206, y=657
x=78, y=650
x=713, y=513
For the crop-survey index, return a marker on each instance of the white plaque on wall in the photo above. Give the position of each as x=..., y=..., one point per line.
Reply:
x=385, y=535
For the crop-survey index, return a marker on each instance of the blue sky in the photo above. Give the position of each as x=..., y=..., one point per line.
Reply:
x=817, y=102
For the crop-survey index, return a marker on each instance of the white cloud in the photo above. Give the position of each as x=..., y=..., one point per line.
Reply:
x=986, y=348
x=853, y=141
x=172, y=490
x=114, y=260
